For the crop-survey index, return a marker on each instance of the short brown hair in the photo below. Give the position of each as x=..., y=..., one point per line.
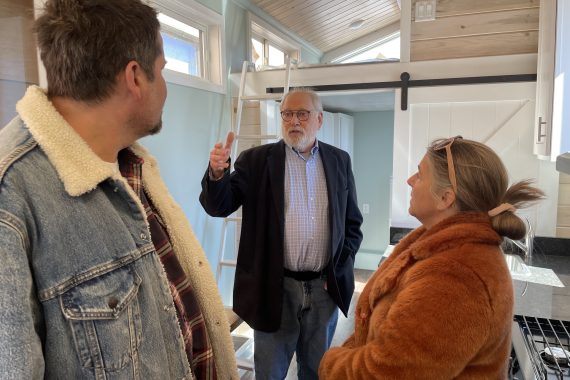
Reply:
x=84, y=44
x=482, y=183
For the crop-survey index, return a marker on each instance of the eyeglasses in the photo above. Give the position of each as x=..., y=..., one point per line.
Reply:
x=446, y=144
x=301, y=115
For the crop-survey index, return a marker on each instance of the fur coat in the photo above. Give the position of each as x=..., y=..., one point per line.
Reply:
x=440, y=307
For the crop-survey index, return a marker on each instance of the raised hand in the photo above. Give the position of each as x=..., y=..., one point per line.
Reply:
x=219, y=156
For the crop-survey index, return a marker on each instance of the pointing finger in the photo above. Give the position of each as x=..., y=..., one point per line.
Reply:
x=229, y=140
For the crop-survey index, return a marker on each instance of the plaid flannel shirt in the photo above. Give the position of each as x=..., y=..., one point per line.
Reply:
x=197, y=343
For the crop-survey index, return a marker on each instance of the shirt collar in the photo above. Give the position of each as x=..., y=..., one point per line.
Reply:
x=314, y=149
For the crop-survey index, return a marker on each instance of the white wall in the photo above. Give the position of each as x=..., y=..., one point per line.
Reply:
x=500, y=115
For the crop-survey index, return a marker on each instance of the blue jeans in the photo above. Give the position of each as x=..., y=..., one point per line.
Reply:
x=308, y=322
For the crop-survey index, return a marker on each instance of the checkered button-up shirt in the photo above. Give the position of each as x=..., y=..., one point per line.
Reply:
x=307, y=231
x=197, y=343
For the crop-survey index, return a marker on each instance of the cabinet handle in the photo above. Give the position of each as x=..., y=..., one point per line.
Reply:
x=540, y=126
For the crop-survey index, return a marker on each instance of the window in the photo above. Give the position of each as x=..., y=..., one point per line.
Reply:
x=269, y=47
x=192, y=36
x=266, y=54
x=182, y=46
x=386, y=48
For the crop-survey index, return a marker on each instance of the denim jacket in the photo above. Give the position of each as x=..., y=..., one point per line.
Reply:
x=83, y=294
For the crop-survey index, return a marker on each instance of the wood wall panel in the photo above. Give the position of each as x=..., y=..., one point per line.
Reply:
x=476, y=24
x=11, y=8
x=564, y=194
x=459, y=7
x=467, y=28
x=475, y=46
x=18, y=59
x=563, y=217
x=563, y=232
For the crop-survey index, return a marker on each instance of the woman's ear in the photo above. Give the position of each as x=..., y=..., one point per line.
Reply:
x=446, y=199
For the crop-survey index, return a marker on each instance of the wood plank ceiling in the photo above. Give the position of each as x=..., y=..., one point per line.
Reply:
x=461, y=29
x=325, y=24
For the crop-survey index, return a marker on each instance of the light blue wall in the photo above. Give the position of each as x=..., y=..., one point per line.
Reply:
x=236, y=21
x=308, y=56
x=215, y=5
x=192, y=121
x=373, y=145
x=236, y=36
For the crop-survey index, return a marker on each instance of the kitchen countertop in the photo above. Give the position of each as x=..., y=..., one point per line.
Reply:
x=542, y=300
x=534, y=299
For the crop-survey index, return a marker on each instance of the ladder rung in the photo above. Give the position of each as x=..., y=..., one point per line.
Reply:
x=257, y=137
x=228, y=263
x=262, y=97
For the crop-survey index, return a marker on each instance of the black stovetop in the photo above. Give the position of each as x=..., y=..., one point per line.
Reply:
x=547, y=344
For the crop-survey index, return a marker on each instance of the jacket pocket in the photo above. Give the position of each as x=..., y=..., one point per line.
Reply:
x=104, y=317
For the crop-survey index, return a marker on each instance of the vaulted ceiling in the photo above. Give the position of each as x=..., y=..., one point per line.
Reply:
x=460, y=28
x=325, y=24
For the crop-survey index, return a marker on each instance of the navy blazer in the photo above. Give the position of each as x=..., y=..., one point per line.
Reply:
x=257, y=184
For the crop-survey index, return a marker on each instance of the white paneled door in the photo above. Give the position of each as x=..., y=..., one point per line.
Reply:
x=499, y=115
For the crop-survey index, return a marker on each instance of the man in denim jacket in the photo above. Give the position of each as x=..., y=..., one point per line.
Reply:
x=101, y=276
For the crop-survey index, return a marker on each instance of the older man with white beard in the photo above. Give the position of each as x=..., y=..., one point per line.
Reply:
x=299, y=235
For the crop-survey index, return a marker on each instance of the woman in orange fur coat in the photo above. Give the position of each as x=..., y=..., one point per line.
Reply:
x=441, y=306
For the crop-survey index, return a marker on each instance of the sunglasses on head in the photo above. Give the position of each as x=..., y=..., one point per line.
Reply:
x=446, y=144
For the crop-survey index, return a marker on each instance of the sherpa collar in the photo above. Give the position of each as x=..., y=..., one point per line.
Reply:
x=78, y=167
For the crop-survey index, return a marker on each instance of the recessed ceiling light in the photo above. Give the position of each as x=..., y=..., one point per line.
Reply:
x=356, y=24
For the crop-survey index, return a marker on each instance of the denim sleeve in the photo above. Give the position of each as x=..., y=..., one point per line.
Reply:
x=21, y=354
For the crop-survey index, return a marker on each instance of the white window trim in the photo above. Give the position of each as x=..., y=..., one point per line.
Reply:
x=260, y=28
x=193, y=13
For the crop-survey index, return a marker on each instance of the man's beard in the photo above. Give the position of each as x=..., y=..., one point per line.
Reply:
x=157, y=127
x=300, y=144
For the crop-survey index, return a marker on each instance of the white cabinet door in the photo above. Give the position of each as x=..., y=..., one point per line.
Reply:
x=337, y=130
x=270, y=120
x=545, y=78
x=329, y=131
x=552, y=118
x=345, y=125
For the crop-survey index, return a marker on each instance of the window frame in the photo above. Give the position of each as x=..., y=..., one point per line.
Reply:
x=211, y=25
x=268, y=35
